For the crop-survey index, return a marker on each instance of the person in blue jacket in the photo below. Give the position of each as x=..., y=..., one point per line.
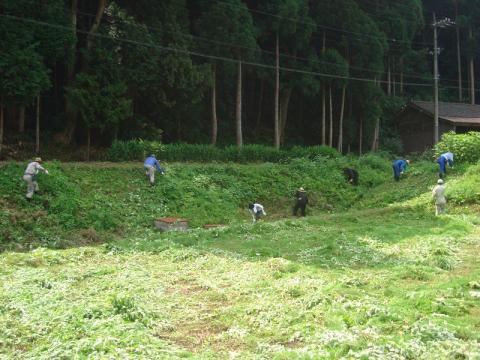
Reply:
x=399, y=167
x=442, y=163
x=150, y=165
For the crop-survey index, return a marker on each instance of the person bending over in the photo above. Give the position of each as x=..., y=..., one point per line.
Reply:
x=150, y=165
x=257, y=211
x=442, y=163
x=30, y=176
x=351, y=175
x=399, y=167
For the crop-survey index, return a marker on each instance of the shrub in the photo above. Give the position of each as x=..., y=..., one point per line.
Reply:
x=133, y=150
x=466, y=147
x=137, y=150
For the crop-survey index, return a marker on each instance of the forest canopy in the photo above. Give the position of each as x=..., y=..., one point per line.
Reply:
x=223, y=72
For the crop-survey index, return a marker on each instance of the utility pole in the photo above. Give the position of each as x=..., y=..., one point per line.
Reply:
x=437, y=24
x=435, y=81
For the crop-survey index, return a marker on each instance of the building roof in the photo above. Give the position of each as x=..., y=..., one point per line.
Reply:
x=456, y=113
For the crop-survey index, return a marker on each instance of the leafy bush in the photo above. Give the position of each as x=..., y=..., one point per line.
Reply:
x=133, y=150
x=137, y=150
x=466, y=189
x=465, y=147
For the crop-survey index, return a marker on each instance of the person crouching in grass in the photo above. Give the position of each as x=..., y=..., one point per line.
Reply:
x=257, y=211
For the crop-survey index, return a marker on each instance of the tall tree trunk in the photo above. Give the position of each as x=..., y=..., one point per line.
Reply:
x=360, y=137
x=376, y=133
x=401, y=76
x=394, y=82
x=37, y=128
x=472, y=72
x=340, y=125
x=324, y=45
x=238, y=117
x=88, y=143
x=324, y=116
x=1, y=128
x=71, y=111
x=214, y=107
x=330, y=130
x=277, y=95
x=284, y=103
x=459, y=57
x=260, y=108
x=96, y=23
x=21, y=119
x=389, y=77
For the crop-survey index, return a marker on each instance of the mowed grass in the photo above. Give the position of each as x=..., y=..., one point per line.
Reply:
x=392, y=283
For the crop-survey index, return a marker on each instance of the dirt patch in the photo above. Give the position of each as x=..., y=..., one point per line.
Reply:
x=293, y=344
x=185, y=288
x=196, y=335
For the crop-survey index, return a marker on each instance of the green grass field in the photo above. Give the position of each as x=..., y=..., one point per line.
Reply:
x=370, y=274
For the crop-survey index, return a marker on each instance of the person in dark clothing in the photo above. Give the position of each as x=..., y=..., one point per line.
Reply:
x=351, y=175
x=399, y=167
x=301, y=201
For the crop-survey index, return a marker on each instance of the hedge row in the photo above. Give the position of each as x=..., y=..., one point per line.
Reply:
x=137, y=150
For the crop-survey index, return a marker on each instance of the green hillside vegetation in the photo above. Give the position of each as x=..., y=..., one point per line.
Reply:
x=371, y=273
x=112, y=199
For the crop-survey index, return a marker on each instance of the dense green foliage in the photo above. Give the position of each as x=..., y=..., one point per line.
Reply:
x=120, y=70
x=139, y=149
x=466, y=147
x=79, y=202
x=389, y=282
x=203, y=193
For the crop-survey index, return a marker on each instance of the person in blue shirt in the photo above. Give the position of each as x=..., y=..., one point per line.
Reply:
x=399, y=167
x=150, y=165
x=442, y=163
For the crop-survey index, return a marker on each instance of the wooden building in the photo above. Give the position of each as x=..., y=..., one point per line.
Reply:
x=415, y=122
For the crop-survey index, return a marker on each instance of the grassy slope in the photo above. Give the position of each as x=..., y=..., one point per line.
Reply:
x=393, y=282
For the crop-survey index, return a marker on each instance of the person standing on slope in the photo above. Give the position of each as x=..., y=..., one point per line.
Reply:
x=30, y=176
x=257, y=211
x=399, y=167
x=150, y=165
x=438, y=194
x=442, y=163
x=301, y=201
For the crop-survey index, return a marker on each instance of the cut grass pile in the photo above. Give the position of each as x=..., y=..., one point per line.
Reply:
x=370, y=274
x=378, y=284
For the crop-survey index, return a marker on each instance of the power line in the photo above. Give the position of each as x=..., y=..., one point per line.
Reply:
x=232, y=60
x=259, y=50
x=209, y=56
x=316, y=25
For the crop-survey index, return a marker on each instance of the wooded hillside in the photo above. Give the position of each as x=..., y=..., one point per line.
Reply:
x=279, y=72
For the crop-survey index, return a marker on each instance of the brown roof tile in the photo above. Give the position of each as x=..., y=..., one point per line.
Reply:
x=454, y=112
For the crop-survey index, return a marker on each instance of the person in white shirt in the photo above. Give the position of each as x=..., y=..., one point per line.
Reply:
x=438, y=194
x=30, y=176
x=257, y=211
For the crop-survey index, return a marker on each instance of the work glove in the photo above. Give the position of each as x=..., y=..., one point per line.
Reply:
x=46, y=172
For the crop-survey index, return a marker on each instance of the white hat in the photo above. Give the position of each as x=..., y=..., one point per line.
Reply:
x=440, y=181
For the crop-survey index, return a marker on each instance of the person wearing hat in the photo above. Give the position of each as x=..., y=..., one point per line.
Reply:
x=30, y=176
x=301, y=201
x=438, y=194
x=150, y=165
x=399, y=167
x=257, y=211
x=442, y=163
